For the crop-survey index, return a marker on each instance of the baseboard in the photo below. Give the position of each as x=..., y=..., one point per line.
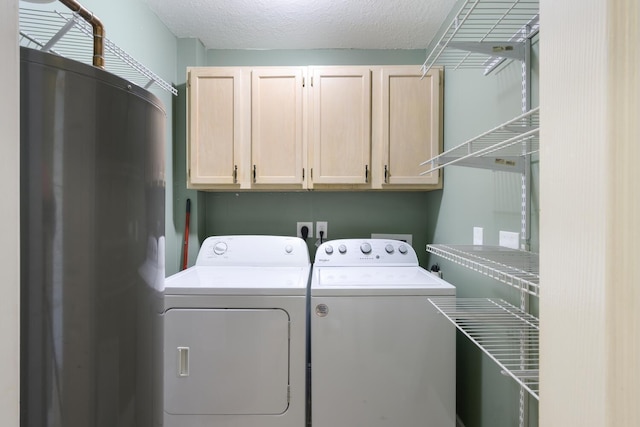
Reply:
x=459, y=422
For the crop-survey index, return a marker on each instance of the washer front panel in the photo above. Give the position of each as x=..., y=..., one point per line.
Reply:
x=381, y=354
x=380, y=362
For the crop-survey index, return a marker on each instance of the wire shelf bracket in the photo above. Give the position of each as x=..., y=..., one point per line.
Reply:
x=66, y=34
x=516, y=268
x=508, y=335
x=500, y=148
x=484, y=34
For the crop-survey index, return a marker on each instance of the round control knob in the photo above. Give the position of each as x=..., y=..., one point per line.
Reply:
x=328, y=249
x=389, y=248
x=342, y=249
x=403, y=249
x=220, y=248
x=288, y=249
x=365, y=248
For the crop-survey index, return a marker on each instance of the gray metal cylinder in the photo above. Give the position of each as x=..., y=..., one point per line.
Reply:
x=92, y=247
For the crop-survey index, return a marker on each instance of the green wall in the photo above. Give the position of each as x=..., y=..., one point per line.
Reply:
x=473, y=104
x=350, y=214
x=191, y=52
x=471, y=197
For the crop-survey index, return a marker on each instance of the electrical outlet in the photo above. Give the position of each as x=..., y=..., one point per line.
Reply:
x=509, y=239
x=299, y=226
x=477, y=235
x=324, y=227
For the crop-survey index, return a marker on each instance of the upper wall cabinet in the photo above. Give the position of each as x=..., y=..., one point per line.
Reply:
x=323, y=128
x=407, y=125
x=214, y=133
x=340, y=125
x=277, y=149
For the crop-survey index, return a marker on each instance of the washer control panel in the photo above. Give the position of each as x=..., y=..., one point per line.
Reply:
x=354, y=252
x=254, y=251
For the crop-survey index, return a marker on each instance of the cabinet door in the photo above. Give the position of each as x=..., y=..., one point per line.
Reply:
x=341, y=125
x=214, y=126
x=276, y=126
x=411, y=124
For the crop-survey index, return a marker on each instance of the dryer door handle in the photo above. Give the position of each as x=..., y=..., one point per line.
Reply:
x=183, y=361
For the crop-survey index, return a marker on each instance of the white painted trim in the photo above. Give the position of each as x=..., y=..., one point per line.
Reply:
x=10, y=216
x=590, y=204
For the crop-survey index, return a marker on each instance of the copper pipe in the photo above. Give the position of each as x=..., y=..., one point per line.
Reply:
x=98, y=30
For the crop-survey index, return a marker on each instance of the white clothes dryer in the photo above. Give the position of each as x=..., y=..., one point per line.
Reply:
x=235, y=333
x=381, y=354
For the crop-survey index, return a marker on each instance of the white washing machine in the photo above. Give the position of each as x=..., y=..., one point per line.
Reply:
x=235, y=333
x=381, y=355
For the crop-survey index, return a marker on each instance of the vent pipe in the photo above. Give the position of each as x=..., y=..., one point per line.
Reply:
x=98, y=30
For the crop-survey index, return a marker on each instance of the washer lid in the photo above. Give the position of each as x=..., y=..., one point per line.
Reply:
x=225, y=280
x=360, y=281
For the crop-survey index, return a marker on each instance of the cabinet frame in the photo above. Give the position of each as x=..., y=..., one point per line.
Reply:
x=330, y=90
x=354, y=103
x=287, y=99
x=417, y=123
x=203, y=139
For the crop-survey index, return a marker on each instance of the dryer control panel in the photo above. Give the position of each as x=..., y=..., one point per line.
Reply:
x=254, y=251
x=358, y=252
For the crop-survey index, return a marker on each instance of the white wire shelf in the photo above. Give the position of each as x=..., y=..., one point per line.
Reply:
x=501, y=148
x=66, y=34
x=484, y=34
x=509, y=336
x=513, y=267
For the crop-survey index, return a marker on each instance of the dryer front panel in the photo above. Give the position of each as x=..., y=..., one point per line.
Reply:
x=226, y=361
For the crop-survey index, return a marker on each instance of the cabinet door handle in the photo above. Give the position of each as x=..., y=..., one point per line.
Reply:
x=235, y=174
x=303, y=174
x=386, y=174
x=366, y=173
x=254, y=174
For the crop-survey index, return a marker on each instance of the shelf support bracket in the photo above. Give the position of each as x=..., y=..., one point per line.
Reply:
x=511, y=50
x=57, y=36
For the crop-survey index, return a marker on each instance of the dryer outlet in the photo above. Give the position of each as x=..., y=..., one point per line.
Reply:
x=309, y=226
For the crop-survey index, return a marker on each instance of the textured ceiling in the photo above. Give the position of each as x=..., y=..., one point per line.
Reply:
x=304, y=24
